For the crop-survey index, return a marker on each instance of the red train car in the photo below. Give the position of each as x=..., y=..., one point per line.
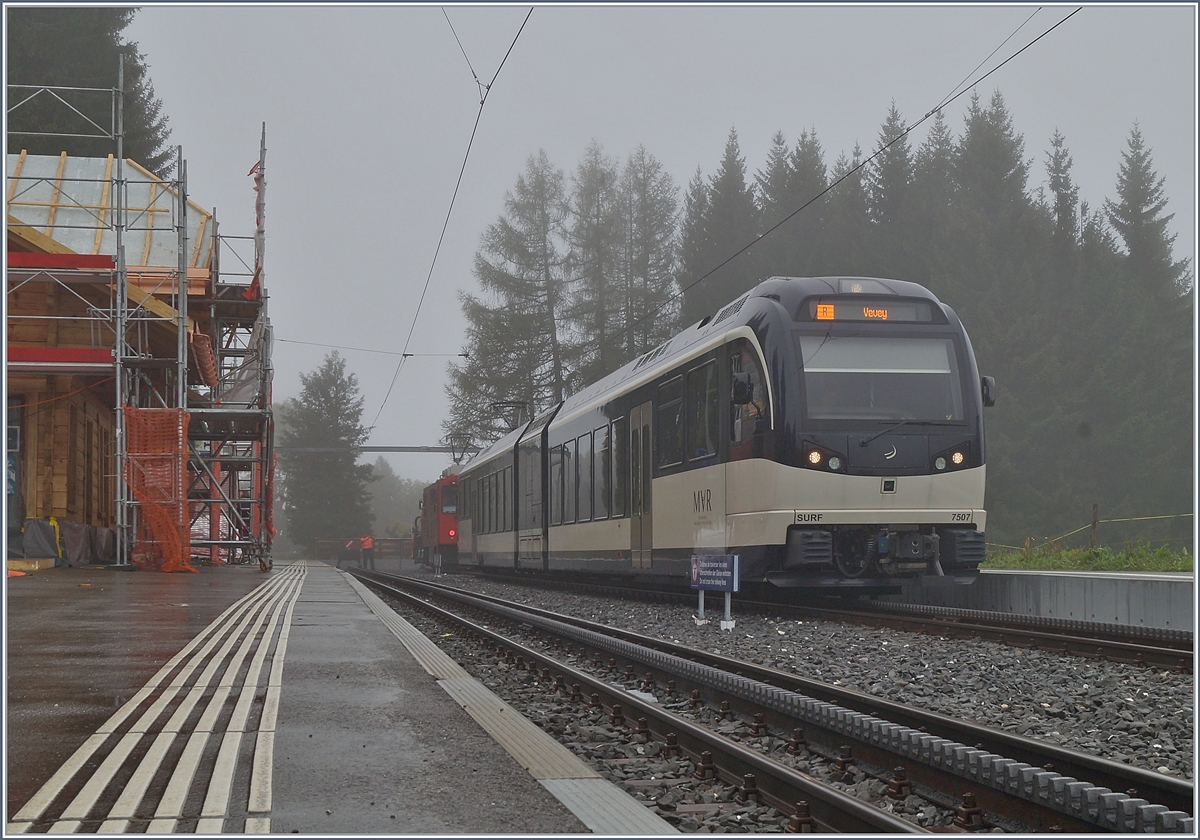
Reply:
x=435, y=531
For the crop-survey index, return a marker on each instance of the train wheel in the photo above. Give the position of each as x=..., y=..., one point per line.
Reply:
x=853, y=564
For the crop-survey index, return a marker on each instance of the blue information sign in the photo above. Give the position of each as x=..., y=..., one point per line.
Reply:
x=716, y=572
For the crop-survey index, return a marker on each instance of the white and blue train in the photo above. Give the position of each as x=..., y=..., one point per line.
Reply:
x=828, y=430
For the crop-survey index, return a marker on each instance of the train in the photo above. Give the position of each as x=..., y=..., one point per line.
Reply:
x=435, y=530
x=826, y=431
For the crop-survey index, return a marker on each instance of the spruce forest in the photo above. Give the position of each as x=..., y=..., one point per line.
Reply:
x=1082, y=314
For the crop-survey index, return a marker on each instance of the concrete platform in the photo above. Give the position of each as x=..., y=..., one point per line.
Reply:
x=294, y=701
x=1164, y=600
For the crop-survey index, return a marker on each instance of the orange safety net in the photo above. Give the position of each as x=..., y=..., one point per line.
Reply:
x=155, y=470
x=206, y=362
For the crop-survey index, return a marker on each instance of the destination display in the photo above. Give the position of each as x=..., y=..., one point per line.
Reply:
x=913, y=311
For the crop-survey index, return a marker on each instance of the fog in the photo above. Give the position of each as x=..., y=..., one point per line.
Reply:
x=369, y=111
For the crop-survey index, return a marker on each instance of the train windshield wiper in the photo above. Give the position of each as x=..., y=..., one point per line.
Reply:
x=867, y=440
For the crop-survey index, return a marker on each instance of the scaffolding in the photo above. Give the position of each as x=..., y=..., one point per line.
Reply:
x=175, y=337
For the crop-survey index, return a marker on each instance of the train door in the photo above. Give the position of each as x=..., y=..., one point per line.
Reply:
x=640, y=448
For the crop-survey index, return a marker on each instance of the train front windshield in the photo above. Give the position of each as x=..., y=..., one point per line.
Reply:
x=878, y=377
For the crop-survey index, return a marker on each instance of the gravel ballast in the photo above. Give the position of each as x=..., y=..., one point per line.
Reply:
x=1131, y=714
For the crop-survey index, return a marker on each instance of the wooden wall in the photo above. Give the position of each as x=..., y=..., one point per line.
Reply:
x=68, y=442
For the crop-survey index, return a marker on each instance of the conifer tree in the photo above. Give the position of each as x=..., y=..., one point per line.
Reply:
x=991, y=171
x=890, y=175
x=1065, y=192
x=594, y=240
x=847, y=231
x=806, y=231
x=1137, y=218
x=81, y=47
x=932, y=198
x=649, y=200
x=394, y=500
x=730, y=225
x=889, y=181
x=515, y=333
x=695, y=245
x=773, y=191
x=325, y=494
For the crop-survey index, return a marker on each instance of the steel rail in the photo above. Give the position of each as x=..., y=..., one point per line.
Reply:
x=1177, y=794
x=780, y=786
x=1073, y=805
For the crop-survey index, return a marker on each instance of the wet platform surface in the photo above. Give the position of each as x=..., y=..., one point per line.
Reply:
x=287, y=702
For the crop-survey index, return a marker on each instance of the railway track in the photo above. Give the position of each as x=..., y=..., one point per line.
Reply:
x=1167, y=649
x=1000, y=780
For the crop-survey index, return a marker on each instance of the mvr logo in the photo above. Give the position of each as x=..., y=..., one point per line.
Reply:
x=702, y=501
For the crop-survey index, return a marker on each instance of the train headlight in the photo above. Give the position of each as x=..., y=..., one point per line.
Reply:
x=453, y=533
x=819, y=458
x=951, y=459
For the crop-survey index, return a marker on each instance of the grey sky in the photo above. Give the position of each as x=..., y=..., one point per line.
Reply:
x=369, y=110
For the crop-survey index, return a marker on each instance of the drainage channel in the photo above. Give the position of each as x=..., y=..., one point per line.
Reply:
x=1008, y=792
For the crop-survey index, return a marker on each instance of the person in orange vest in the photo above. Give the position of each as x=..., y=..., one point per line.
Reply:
x=367, y=546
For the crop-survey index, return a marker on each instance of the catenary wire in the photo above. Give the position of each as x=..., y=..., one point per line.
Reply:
x=474, y=75
x=975, y=70
x=363, y=349
x=487, y=89
x=849, y=173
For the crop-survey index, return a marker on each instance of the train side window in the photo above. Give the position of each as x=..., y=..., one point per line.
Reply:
x=669, y=431
x=703, y=421
x=620, y=466
x=635, y=463
x=484, y=495
x=498, y=521
x=584, y=462
x=602, y=473
x=556, y=488
x=493, y=518
x=569, y=482
x=491, y=502
x=744, y=419
x=506, y=500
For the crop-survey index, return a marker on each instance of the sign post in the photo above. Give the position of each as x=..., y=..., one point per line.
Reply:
x=720, y=573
